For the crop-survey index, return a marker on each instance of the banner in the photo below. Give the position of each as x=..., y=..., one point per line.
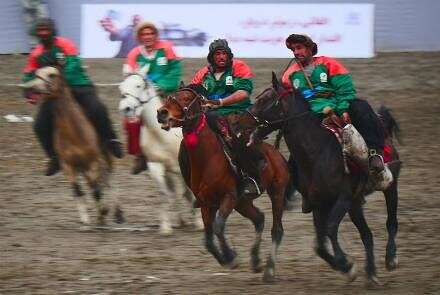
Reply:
x=252, y=30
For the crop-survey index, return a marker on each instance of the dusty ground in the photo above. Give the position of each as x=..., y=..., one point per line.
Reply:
x=44, y=251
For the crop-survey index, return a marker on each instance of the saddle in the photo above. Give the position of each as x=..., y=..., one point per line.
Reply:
x=355, y=151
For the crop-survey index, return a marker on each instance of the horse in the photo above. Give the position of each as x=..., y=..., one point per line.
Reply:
x=139, y=98
x=322, y=177
x=208, y=172
x=75, y=142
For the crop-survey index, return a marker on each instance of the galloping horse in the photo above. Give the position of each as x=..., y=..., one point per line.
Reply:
x=322, y=177
x=210, y=176
x=75, y=141
x=139, y=98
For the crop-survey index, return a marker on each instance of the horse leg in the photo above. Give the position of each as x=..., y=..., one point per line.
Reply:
x=247, y=209
x=93, y=177
x=77, y=193
x=320, y=221
x=208, y=215
x=335, y=217
x=157, y=172
x=277, y=232
x=195, y=213
x=391, y=197
x=357, y=216
x=227, y=204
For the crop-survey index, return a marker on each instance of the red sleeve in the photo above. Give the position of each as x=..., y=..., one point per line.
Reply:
x=334, y=67
x=241, y=69
x=286, y=77
x=32, y=62
x=132, y=57
x=66, y=45
x=168, y=48
x=198, y=77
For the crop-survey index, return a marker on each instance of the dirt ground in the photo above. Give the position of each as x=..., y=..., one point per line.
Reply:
x=43, y=250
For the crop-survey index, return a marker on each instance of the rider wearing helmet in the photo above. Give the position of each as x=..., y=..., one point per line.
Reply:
x=164, y=70
x=53, y=50
x=229, y=83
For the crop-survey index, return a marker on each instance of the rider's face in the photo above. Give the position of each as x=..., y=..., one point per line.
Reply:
x=301, y=52
x=44, y=33
x=148, y=38
x=221, y=58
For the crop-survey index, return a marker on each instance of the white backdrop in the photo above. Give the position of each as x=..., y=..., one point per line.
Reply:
x=253, y=30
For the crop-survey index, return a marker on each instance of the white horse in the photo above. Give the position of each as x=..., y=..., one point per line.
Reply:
x=139, y=98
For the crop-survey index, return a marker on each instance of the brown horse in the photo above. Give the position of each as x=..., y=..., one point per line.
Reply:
x=75, y=141
x=210, y=176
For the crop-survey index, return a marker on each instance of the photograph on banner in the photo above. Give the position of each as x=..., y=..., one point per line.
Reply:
x=252, y=30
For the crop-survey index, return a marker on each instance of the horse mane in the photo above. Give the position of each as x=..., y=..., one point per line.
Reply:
x=198, y=88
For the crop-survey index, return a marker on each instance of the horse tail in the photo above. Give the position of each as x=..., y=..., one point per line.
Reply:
x=390, y=124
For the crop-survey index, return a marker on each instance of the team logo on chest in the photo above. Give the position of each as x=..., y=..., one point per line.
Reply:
x=162, y=61
x=296, y=83
x=323, y=77
x=229, y=81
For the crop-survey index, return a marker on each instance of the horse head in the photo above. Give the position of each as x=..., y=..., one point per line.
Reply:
x=182, y=107
x=47, y=82
x=135, y=91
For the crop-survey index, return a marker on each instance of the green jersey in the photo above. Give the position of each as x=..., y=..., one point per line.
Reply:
x=332, y=84
x=238, y=77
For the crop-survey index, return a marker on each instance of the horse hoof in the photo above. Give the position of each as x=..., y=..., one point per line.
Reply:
x=352, y=273
x=165, y=231
x=391, y=264
x=373, y=282
x=269, y=275
x=257, y=268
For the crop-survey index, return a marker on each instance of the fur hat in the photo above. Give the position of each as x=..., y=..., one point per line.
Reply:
x=219, y=44
x=145, y=25
x=302, y=39
x=47, y=23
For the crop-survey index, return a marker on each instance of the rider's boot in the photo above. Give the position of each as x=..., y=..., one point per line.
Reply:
x=375, y=162
x=250, y=186
x=140, y=164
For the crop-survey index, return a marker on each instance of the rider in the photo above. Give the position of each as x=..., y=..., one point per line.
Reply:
x=326, y=84
x=229, y=84
x=61, y=52
x=164, y=70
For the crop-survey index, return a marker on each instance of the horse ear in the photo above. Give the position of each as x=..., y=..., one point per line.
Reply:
x=275, y=82
x=182, y=85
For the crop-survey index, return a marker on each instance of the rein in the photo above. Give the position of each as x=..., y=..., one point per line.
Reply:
x=266, y=123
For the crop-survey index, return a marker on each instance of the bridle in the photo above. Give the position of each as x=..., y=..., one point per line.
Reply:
x=141, y=102
x=186, y=109
x=284, y=118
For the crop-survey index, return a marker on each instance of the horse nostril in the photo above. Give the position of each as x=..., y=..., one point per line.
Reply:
x=162, y=115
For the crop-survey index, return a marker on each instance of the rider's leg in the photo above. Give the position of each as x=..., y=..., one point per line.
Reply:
x=98, y=115
x=43, y=128
x=132, y=128
x=368, y=124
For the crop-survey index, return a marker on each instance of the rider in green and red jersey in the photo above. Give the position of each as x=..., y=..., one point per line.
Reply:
x=326, y=84
x=229, y=83
x=62, y=53
x=164, y=70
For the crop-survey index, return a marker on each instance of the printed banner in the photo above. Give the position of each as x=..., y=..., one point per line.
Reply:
x=252, y=30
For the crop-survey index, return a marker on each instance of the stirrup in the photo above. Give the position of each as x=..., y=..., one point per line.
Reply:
x=246, y=191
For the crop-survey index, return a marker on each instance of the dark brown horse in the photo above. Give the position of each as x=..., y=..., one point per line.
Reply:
x=322, y=178
x=75, y=141
x=214, y=183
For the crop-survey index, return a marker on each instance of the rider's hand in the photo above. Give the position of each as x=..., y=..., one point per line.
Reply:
x=346, y=118
x=212, y=104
